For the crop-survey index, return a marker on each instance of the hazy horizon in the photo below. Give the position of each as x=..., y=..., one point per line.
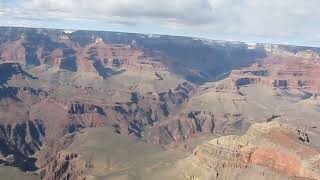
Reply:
x=292, y=22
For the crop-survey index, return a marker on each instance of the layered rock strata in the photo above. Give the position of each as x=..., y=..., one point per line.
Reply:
x=272, y=145
x=280, y=72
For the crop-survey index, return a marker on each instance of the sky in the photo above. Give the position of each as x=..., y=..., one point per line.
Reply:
x=295, y=22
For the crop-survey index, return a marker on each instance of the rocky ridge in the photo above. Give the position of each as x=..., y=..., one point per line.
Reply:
x=65, y=166
x=192, y=124
x=273, y=145
x=279, y=72
x=98, y=58
x=19, y=141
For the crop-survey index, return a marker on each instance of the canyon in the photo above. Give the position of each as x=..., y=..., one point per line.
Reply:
x=108, y=105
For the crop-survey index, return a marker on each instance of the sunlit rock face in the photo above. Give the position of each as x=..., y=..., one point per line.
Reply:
x=272, y=145
x=65, y=166
x=280, y=72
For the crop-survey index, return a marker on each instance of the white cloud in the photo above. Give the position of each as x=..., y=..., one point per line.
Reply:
x=275, y=19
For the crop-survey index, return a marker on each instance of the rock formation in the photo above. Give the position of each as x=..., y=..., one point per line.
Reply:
x=62, y=54
x=19, y=141
x=272, y=145
x=148, y=109
x=13, y=51
x=65, y=166
x=280, y=72
x=308, y=54
x=188, y=125
x=11, y=70
x=181, y=128
x=85, y=115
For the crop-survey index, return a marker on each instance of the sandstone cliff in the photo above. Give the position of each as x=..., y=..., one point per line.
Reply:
x=277, y=147
x=280, y=72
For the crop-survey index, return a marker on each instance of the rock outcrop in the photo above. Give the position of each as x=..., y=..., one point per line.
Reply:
x=288, y=51
x=78, y=108
x=99, y=58
x=308, y=54
x=272, y=145
x=62, y=117
x=19, y=141
x=194, y=123
x=183, y=127
x=148, y=109
x=13, y=51
x=25, y=94
x=65, y=166
x=85, y=115
x=280, y=72
x=10, y=70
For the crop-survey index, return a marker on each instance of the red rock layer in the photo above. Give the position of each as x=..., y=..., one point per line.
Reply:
x=283, y=72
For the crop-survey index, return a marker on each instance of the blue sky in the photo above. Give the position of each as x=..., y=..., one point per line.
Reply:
x=272, y=21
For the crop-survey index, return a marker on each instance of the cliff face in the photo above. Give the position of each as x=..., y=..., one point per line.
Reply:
x=27, y=95
x=62, y=53
x=182, y=128
x=62, y=117
x=272, y=145
x=11, y=70
x=146, y=110
x=78, y=108
x=80, y=51
x=13, y=51
x=19, y=141
x=187, y=125
x=280, y=72
x=85, y=115
x=25, y=137
x=65, y=166
x=192, y=124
